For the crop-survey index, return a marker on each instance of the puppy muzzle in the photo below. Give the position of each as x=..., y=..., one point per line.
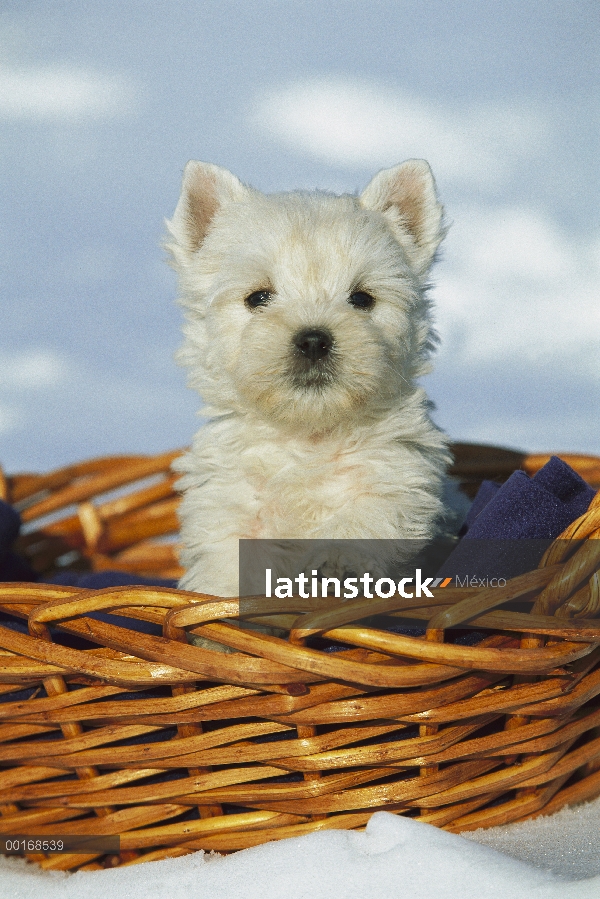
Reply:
x=314, y=344
x=312, y=357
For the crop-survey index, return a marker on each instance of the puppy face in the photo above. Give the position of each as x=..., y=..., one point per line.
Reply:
x=305, y=307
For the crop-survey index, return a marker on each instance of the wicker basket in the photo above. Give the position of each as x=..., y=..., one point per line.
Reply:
x=107, y=730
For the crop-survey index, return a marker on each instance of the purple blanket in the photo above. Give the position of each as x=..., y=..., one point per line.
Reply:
x=508, y=528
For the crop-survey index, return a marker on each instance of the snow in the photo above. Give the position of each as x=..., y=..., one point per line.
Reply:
x=553, y=857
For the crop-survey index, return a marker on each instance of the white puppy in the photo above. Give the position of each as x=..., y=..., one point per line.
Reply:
x=307, y=323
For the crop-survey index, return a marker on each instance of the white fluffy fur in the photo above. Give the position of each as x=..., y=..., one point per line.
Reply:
x=353, y=456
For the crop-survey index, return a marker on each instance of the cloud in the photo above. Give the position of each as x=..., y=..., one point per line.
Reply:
x=36, y=369
x=56, y=93
x=521, y=243
x=515, y=288
x=354, y=124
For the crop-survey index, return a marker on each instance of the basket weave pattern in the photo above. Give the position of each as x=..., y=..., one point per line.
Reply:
x=176, y=747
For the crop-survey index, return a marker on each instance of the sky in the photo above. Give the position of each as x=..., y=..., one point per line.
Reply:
x=102, y=104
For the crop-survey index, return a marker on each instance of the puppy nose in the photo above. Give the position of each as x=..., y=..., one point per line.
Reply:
x=314, y=344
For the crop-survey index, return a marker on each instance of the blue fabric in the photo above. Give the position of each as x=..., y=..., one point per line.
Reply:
x=537, y=508
x=12, y=567
x=10, y=523
x=486, y=492
x=511, y=527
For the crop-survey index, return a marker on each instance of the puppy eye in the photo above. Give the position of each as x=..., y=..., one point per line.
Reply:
x=258, y=298
x=361, y=300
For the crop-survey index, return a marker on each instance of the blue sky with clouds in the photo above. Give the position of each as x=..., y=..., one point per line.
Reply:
x=102, y=104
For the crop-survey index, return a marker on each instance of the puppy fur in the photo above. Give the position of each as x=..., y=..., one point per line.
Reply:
x=306, y=436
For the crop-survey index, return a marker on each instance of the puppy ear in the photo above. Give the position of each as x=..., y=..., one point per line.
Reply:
x=205, y=188
x=406, y=195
